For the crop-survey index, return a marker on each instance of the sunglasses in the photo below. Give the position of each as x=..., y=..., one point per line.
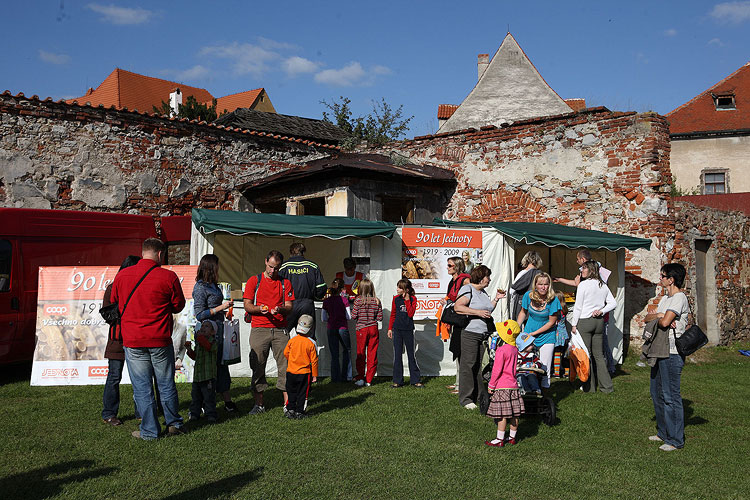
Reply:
x=451, y=265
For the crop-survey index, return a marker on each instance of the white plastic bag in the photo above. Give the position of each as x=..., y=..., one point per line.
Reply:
x=231, y=351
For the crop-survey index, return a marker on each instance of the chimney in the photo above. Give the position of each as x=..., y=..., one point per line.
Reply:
x=483, y=60
x=175, y=99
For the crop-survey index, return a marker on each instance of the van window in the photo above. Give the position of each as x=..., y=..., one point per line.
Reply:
x=6, y=253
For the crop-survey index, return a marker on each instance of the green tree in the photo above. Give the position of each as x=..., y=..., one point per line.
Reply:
x=382, y=125
x=191, y=109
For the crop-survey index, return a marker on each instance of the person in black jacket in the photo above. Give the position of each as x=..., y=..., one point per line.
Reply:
x=530, y=267
x=307, y=282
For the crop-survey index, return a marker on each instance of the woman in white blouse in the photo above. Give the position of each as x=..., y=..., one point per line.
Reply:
x=593, y=301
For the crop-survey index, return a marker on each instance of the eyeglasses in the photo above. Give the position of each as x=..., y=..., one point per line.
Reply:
x=451, y=265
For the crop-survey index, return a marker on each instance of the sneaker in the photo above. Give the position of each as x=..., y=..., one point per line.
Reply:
x=173, y=430
x=510, y=441
x=136, y=434
x=257, y=410
x=230, y=406
x=359, y=383
x=290, y=414
x=470, y=406
x=192, y=417
x=300, y=416
x=667, y=447
x=655, y=438
x=113, y=421
x=499, y=444
x=286, y=410
x=367, y=384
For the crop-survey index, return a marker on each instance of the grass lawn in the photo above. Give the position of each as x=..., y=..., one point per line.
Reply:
x=379, y=442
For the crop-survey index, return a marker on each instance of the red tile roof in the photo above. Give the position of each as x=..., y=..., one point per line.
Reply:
x=700, y=113
x=577, y=104
x=445, y=111
x=125, y=89
x=739, y=202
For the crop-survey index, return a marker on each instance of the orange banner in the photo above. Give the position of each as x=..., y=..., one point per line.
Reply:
x=452, y=238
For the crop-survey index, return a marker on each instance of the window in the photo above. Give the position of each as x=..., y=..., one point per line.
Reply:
x=6, y=254
x=312, y=206
x=725, y=101
x=715, y=182
x=271, y=207
x=398, y=210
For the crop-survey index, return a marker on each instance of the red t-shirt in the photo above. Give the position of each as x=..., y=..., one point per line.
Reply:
x=269, y=294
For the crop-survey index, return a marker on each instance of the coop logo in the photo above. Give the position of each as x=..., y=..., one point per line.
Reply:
x=98, y=371
x=60, y=373
x=411, y=251
x=56, y=309
x=433, y=284
x=417, y=285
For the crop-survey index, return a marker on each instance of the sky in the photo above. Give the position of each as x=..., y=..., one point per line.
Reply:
x=627, y=56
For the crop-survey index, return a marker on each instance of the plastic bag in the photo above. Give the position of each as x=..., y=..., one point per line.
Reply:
x=231, y=351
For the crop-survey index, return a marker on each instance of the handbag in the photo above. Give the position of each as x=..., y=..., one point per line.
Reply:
x=690, y=341
x=230, y=354
x=451, y=317
x=111, y=313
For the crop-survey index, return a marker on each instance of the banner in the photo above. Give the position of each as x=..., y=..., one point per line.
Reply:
x=424, y=261
x=72, y=336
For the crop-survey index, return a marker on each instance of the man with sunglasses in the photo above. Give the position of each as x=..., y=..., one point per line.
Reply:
x=268, y=300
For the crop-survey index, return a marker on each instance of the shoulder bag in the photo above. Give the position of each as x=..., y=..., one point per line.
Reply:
x=691, y=340
x=111, y=313
x=451, y=317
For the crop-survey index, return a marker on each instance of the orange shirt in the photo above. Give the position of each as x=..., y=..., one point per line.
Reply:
x=302, y=353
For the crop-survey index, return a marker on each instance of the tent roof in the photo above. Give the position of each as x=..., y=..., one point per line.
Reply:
x=302, y=226
x=556, y=235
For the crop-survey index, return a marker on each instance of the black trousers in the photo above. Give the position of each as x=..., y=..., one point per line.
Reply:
x=203, y=395
x=297, y=389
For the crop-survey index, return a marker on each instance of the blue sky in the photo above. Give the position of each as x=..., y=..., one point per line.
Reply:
x=637, y=55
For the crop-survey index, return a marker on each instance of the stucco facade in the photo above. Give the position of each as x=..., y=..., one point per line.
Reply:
x=694, y=157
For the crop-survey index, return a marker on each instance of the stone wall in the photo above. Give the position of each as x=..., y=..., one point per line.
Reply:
x=56, y=155
x=594, y=169
x=729, y=277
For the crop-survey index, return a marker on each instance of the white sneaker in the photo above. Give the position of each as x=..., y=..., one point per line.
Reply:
x=655, y=438
x=470, y=406
x=367, y=384
x=359, y=383
x=667, y=447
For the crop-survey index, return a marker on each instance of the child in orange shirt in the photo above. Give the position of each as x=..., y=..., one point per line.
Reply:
x=302, y=367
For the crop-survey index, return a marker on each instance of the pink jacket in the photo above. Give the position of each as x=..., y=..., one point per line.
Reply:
x=504, y=368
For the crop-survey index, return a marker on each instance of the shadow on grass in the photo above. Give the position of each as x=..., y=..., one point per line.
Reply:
x=15, y=373
x=338, y=403
x=219, y=489
x=690, y=418
x=48, y=481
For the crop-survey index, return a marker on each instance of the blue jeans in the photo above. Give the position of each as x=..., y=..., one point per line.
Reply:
x=144, y=364
x=343, y=371
x=111, y=397
x=665, y=393
x=401, y=339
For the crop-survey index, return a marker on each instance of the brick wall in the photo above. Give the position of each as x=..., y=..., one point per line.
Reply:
x=594, y=169
x=729, y=234
x=56, y=155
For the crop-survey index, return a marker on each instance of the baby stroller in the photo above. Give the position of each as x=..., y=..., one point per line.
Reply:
x=529, y=376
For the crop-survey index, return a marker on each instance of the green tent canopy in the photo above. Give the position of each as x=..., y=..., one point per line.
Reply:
x=553, y=235
x=300, y=226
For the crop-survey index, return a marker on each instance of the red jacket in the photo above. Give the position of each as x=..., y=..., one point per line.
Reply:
x=147, y=321
x=410, y=306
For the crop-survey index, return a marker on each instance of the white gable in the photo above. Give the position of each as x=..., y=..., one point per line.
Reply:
x=510, y=89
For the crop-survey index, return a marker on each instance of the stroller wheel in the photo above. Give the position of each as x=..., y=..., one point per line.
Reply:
x=549, y=411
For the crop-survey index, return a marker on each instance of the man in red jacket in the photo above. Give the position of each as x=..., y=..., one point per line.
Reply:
x=148, y=296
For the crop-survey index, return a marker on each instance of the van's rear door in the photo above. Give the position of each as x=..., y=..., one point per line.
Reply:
x=10, y=294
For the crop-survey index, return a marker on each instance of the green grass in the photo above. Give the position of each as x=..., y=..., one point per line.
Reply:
x=379, y=442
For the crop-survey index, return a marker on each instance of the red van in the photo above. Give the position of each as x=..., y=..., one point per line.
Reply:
x=32, y=238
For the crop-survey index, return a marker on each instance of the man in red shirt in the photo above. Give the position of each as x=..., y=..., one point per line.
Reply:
x=147, y=297
x=268, y=302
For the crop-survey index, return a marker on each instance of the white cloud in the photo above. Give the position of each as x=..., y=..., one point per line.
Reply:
x=670, y=32
x=731, y=12
x=121, y=15
x=244, y=57
x=52, y=58
x=269, y=44
x=195, y=73
x=296, y=65
x=716, y=41
x=350, y=75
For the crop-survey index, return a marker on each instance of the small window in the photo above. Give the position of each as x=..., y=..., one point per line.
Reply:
x=398, y=210
x=724, y=102
x=6, y=256
x=714, y=183
x=271, y=207
x=311, y=206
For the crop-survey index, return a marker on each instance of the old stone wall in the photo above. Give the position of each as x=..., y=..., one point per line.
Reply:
x=727, y=233
x=56, y=155
x=595, y=169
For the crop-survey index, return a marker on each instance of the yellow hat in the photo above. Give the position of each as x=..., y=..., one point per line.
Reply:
x=508, y=331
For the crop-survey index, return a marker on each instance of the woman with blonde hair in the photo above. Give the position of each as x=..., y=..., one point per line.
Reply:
x=366, y=312
x=540, y=311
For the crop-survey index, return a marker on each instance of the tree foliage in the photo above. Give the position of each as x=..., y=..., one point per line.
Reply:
x=382, y=125
x=191, y=109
